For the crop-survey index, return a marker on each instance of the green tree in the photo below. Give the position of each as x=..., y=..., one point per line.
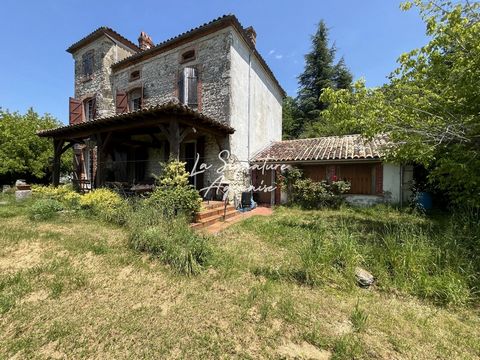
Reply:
x=23, y=154
x=291, y=126
x=431, y=107
x=320, y=73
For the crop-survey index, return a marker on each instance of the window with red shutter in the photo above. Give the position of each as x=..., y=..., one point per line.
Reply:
x=121, y=102
x=75, y=111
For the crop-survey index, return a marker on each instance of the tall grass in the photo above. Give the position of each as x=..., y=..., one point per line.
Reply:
x=169, y=238
x=432, y=259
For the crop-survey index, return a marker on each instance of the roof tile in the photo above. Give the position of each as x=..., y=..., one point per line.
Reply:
x=324, y=148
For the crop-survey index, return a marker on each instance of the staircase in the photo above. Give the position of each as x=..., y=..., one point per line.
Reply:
x=212, y=213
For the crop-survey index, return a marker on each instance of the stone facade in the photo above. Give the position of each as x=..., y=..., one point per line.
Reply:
x=159, y=75
x=233, y=87
x=99, y=84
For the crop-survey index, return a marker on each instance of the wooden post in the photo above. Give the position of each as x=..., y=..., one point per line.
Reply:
x=57, y=153
x=100, y=172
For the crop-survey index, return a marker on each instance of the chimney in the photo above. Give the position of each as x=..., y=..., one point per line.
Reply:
x=251, y=34
x=144, y=41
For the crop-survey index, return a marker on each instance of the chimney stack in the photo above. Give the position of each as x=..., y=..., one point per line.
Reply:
x=252, y=35
x=144, y=41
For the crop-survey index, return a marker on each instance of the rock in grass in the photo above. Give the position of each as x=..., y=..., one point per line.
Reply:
x=364, y=278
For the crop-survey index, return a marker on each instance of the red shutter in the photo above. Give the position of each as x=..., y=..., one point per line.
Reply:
x=75, y=111
x=122, y=102
x=379, y=178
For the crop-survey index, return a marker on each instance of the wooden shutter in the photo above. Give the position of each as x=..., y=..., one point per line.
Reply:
x=192, y=83
x=75, y=111
x=359, y=176
x=121, y=102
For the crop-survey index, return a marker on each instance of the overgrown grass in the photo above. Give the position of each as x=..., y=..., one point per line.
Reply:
x=169, y=238
x=429, y=258
x=76, y=286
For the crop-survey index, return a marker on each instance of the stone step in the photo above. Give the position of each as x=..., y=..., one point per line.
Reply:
x=212, y=212
x=212, y=205
x=205, y=222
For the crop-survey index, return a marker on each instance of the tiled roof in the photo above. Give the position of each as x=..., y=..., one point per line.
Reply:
x=98, y=33
x=134, y=118
x=218, y=23
x=348, y=147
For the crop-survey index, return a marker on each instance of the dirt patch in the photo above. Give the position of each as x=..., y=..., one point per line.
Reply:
x=35, y=297
x=303, y=351
x=26, y=255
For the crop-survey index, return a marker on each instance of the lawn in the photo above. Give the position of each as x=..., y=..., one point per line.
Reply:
x=71, y=287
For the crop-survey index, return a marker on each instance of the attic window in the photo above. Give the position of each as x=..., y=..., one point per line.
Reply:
x=188, y=55
x=135, y=75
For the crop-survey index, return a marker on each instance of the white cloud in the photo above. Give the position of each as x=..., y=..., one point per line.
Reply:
x=278, y=56
x=271, y=52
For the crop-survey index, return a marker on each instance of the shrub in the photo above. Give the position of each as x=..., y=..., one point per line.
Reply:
x=64, y=194
x=176, y=201
x=106, y=204
x=313, y=195
x=174, y=195
x=44, y=209
x=170, y=239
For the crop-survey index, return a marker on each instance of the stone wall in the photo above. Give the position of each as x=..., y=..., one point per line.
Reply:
x=159, y=75
x=99, y=84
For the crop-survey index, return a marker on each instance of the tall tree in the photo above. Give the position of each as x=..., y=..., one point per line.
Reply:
x=320, y=73
x=431, y=107
x=291, y=127
x=22, y=153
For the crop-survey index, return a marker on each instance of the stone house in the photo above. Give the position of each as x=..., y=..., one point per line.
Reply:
x=202, y=92
x=206, y=97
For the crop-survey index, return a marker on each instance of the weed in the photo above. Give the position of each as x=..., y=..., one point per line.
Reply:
x=358, y=318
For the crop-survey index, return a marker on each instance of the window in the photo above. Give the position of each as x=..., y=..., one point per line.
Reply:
x=89, y=109
x=188, y=55
x=135, y=75
x=87, y=63
x=135, y=99
x=187, y=87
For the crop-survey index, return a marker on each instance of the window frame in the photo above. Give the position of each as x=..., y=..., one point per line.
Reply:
x=134, y=78
x=184, y=59
x=89, y=108
x=131, y=99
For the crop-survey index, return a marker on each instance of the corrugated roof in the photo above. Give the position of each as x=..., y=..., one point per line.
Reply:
x=135, y=118
x=98, y=33
x=220, y=22
x=348, y=147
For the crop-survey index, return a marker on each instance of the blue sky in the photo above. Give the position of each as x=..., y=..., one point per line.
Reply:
x=36, y=71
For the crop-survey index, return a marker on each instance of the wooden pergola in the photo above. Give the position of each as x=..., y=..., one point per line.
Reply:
x=173, y=121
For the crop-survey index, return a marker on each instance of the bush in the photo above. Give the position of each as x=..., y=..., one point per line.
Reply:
x=170, y=239
x=63, y=194
x=174, y=195
x=106, y=204
x=182, y=201
x=311, y=194
x=44, y=209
